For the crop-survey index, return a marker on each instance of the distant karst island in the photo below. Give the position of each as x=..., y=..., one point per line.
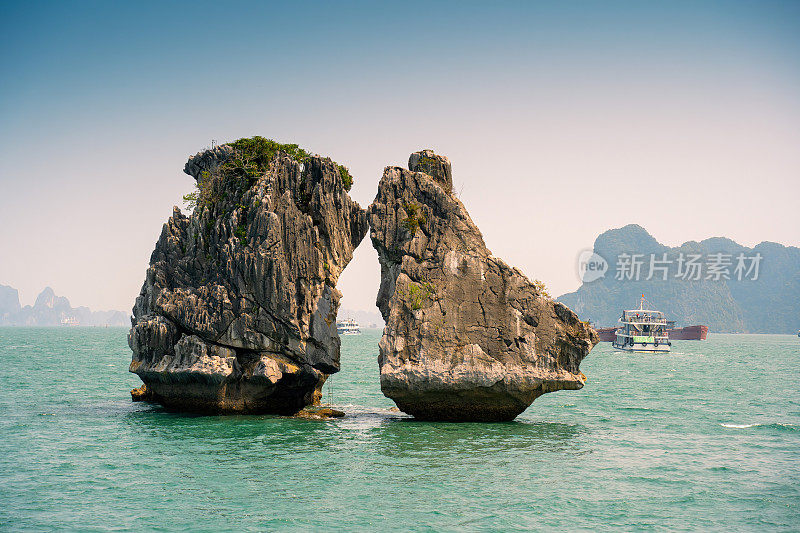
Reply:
x=728, y=287
x=52, y=310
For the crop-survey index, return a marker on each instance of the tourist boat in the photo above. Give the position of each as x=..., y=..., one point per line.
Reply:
x=348, y=327
x=642, y=330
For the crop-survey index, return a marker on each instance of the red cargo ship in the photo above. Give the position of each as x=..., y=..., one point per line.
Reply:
x=606, y=334
x=689, y=333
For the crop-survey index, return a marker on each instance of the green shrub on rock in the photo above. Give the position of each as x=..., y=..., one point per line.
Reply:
x=418, y=294
x=415, y=217
x=250, y=159
x=541, y=288
x=347, y=179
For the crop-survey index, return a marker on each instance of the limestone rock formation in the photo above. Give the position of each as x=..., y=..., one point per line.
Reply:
x=467, y=337
x=9, y=303
x=238, y=309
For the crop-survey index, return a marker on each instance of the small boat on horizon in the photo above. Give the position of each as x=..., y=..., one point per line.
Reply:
x=348, y=327
x=642, y=330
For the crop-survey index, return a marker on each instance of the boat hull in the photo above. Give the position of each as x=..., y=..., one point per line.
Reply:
x=661, y=348
x=644, y=345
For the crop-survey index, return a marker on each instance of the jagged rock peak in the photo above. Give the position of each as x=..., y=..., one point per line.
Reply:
x=238, y=308
x=45, y=298
x=467, y=337
x=208, y=160
x=436, y=166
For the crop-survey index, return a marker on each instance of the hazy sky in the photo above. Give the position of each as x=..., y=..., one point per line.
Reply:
x=561, y=120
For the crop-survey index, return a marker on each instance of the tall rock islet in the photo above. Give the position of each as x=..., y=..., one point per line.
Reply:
x=467, y=337
x=238, y=309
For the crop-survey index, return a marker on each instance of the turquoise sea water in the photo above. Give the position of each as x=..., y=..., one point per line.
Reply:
x=706, y=438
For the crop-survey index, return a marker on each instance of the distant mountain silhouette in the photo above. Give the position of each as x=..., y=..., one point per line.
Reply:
x=52, y=310
x=739, y=290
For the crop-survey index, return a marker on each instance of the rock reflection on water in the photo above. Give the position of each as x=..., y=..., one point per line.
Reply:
x=388, y=433
x=411, y=438
x=234, y=432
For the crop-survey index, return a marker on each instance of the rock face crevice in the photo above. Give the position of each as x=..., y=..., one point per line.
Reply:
x=238, y=309
x=467, y=337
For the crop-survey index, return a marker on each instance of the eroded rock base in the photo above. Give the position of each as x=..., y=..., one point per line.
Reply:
x=480, y=405
x=206, y=378
x=234, y=397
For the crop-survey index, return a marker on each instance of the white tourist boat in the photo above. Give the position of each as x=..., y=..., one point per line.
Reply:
x=348, y=327
x=642, y=330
